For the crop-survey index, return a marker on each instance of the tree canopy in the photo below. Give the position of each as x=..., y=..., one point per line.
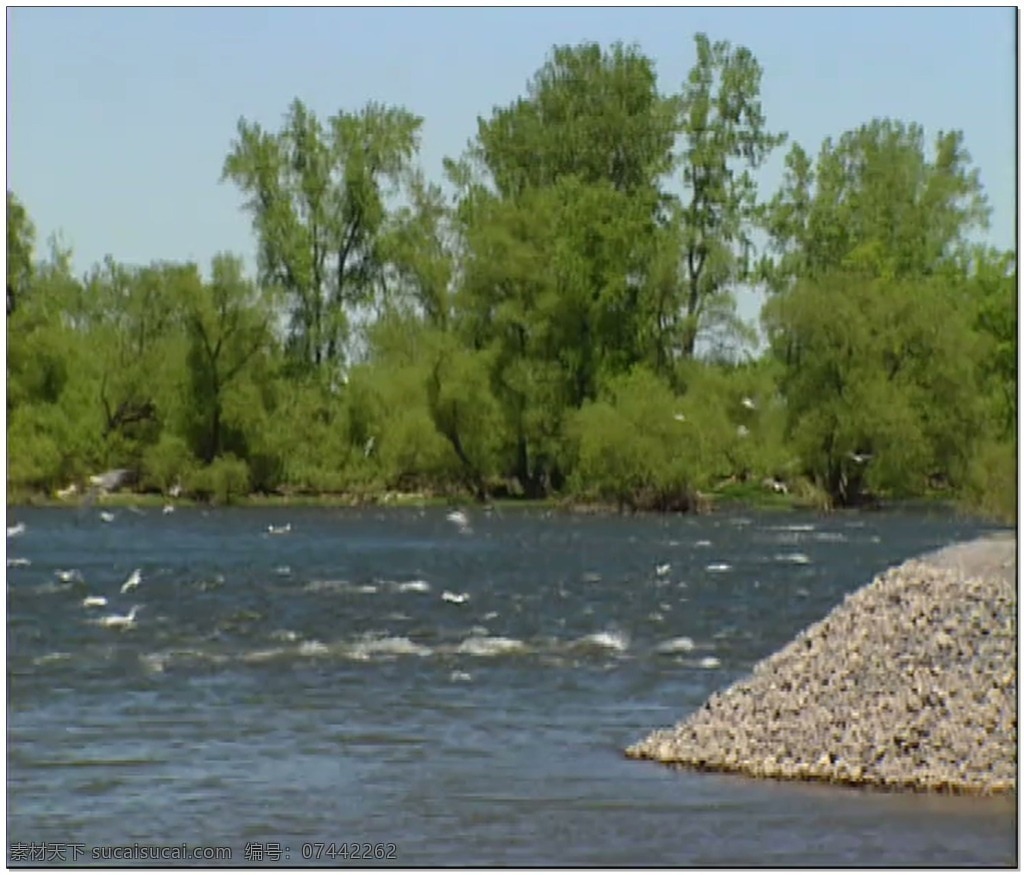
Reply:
x=562, y=323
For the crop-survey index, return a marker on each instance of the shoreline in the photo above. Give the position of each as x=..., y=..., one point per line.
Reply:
x=718, y=502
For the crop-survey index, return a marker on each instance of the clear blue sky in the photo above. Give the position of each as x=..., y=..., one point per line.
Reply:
x=118, y=119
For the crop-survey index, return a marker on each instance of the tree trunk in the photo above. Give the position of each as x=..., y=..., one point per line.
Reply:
x=530, y=483
x=215, y=432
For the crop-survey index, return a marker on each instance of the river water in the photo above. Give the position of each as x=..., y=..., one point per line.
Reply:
x=382, y=678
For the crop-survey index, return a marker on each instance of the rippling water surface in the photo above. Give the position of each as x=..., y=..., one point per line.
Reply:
x=383, y=677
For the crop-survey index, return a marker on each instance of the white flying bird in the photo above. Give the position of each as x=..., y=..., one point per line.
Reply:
x=101, y=484
x=461, y=520
x=94, y=601
x=133, y=581
x=120, y=621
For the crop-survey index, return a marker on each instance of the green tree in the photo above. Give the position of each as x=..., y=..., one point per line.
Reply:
x=418, y=250
x=992, y=287
x=875, y=318
x=20, y=241
x=880, y=381
x=874, y=201
x=724, y=138
x=464, y=410
x=228, y=322
x=316, y=196
x=591, y=113
x=133, y=320
x=53, y=425
x=642, y=447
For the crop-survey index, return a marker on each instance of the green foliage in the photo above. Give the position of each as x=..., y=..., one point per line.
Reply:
x=749, y=443
x=874, y=202
x=315, y=193
x=640, y=446
x=307, y=438
x=876, y=367
x=566, y=324
x=593, y=114
x=225, y=480
x=992, y=488
x=227, y=322
x=34, y=437
x=20, y=240
x=166, y=462
x=464, y=410
x=416, y=247
x=993, y=286
x=724, y=138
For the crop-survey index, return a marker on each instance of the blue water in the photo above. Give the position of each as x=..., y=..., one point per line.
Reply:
x=318, y=687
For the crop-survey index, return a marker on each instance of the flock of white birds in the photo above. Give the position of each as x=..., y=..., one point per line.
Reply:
x=127, y=621
x=458, y=518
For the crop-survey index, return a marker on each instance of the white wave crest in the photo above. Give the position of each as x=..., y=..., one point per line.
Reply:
x=414, y=586
x=480, y=645
x=312, y=648
x=795, y=527
x=676, y=645
x=793, y=558
x=397, y=645
x=616, y=641
x=326, y=586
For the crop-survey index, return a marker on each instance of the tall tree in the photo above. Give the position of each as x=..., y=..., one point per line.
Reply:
x=228, y=322
x=132, y=316
x=591, y=113
x=875, y=201
x=316, y=195
x=724, y=138
x=560, y=197
x=418, y=249
x=880, y=380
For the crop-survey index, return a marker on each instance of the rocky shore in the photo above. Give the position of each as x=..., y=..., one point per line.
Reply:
x=910, y=683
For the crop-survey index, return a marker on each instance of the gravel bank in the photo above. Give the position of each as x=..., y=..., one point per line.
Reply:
x=910, y=683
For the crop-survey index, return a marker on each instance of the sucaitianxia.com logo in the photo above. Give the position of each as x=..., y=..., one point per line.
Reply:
x=63, y=852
